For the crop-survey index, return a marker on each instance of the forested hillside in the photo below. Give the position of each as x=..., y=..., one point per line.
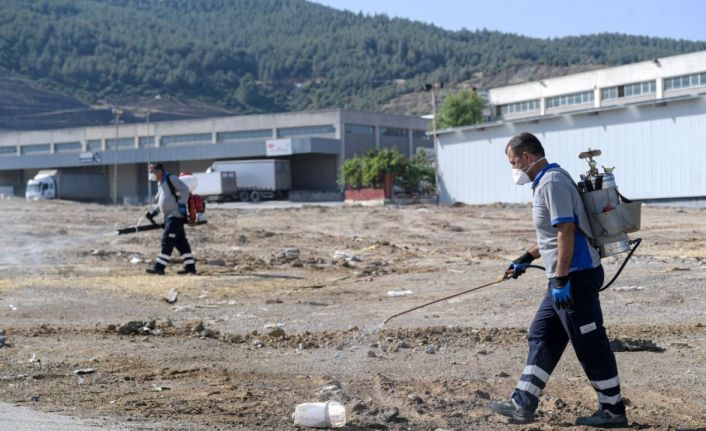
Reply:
x=269, y=55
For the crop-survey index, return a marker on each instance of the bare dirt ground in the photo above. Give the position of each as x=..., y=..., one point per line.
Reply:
x=266, y=327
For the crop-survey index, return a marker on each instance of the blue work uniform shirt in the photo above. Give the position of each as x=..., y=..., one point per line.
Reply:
x=557, y=200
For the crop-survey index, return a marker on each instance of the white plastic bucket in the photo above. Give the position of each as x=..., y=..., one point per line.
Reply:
x=320, y=415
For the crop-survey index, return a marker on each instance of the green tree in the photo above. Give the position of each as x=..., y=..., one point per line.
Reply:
x=461, y=109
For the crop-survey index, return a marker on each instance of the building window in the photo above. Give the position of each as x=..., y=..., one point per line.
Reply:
x=629, y=90
x=68, y=147
x=309, y=130
x=93, y=145
x=147, y=141
x=120, y=144
x=519, y=107
x=34, y=149
x=393, y=132
x=420, y=134
x=570, y=99
x=8, y=151
x=685, y=81
x=198, y=138
x=360, y=129
x=244, y=134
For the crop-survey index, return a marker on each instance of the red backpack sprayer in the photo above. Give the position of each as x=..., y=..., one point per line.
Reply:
x=196, y=209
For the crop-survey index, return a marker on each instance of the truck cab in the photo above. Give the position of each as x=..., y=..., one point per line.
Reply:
x=40, y=187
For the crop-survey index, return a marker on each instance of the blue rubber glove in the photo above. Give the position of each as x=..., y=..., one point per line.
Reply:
x=517, y=269
x=182, y=210
x=519, y=265
x=561, y=292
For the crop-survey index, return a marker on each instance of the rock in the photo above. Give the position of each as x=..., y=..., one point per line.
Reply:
x=391, y=415
x=2, y=332
x=171, y=296
x=197, y=327
x=216, y=262
x=374, y=345
x=502, y=374
x=207, y=333
x=404, y=345
x=276, y=333
x=482, y=394
x=130, y=328
x=242, y=239
x=430, y=350
x=359, y=406
x=488, y=338
x=340, y=346
x=291, y=253
x=3, y=339
x=630, y=345
x=416, y=399
x=372, y=354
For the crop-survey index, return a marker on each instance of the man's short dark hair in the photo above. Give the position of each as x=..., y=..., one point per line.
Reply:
x=525, y=142
x=157, y=166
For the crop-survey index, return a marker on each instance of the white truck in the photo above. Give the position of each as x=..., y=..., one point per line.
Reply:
x=77, y=186
x=258, y=179
x=213, y=186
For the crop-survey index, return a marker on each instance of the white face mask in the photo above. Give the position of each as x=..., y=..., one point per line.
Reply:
x=152, y=176
x=520, y=177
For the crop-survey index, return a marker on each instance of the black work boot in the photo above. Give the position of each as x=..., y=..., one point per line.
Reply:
x=157, y=269
x=603, y=419
x=511, y=409
x=188, y=270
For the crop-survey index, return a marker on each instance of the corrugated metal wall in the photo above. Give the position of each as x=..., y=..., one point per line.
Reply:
x=658, y=151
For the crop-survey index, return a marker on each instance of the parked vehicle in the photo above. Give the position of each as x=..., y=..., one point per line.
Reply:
x=258, y=179
x=213, y=186
x=69, y=185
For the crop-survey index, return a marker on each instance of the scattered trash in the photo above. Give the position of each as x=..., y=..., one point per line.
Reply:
x=158, y=388
x=274, y=325
x=291, y=253
x=320, y=415
x=34, y=398
x=630, y=345
x=391, y=415
x=245, y=316
x=12, y=307
x=171, y=296
x=3, y=339
x=430, y=350
x=84, y=371
x=258, y=343
x=399, y=293
x=344, y=255
x=627, y=288
x=135, y=260
x=34, y=359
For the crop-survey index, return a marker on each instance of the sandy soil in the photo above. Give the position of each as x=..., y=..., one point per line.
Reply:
x=263, y=329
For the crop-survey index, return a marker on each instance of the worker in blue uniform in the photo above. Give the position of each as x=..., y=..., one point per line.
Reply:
x=172, y=199
x=570, y=309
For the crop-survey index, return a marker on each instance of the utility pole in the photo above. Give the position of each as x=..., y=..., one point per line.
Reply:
x=117, y=112
x=429, y=88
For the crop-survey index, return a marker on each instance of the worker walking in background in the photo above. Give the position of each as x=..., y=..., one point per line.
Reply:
x=570, y=309
x=172, y=198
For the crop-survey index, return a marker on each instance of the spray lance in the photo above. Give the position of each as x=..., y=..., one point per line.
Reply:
x=611, y=216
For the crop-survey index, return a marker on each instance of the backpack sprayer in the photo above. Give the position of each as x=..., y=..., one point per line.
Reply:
x=611, y=215
x=196, y=208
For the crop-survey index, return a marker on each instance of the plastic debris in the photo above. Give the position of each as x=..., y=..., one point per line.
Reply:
x=399, y=293
x=320, y=415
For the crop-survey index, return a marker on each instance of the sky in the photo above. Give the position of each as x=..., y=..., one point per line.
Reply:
x=678, y=19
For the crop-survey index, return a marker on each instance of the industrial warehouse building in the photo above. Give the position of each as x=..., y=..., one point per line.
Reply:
x=648, y=119
x=316, y=143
